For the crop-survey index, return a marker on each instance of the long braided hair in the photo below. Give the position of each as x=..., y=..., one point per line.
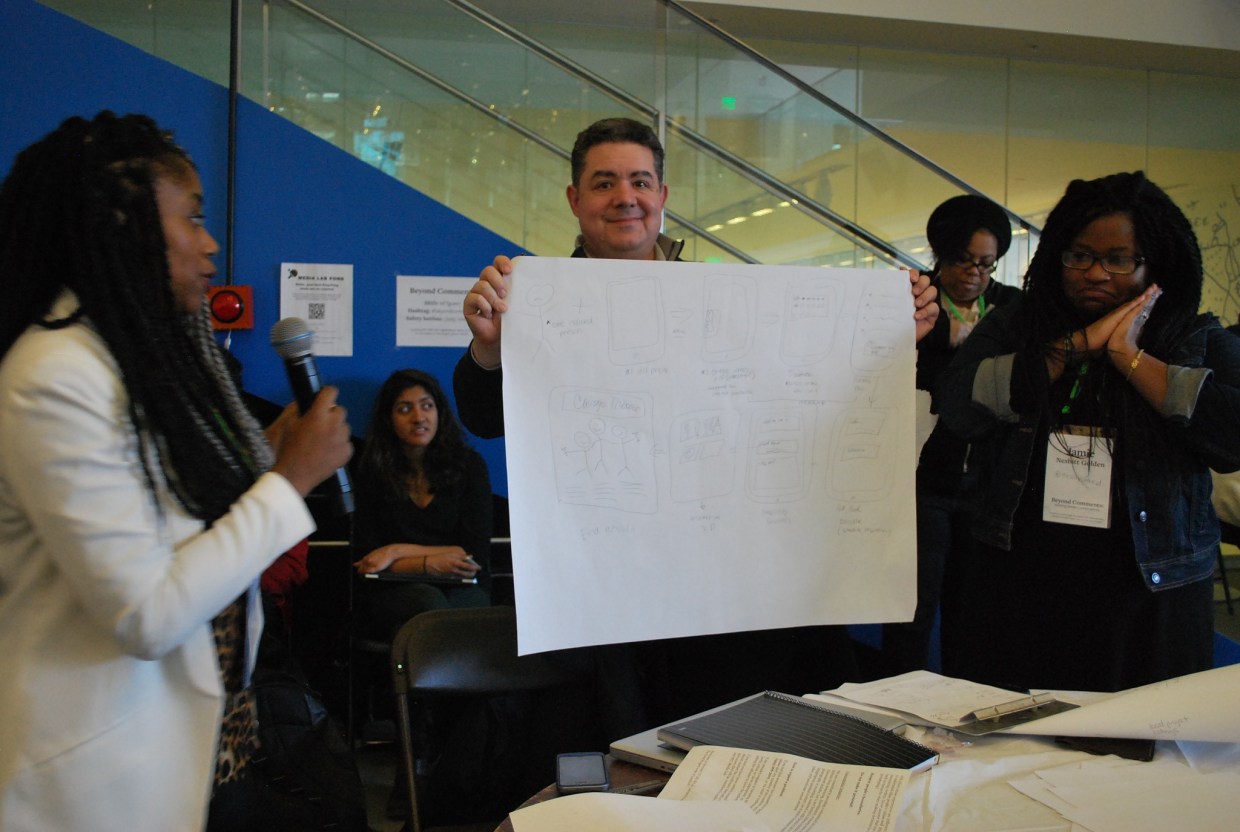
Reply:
x=384, y=465
x=78, y=212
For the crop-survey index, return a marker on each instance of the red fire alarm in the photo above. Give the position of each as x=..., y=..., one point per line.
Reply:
x=231, y=307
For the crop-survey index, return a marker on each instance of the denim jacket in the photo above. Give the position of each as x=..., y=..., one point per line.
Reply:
x=1166, y=455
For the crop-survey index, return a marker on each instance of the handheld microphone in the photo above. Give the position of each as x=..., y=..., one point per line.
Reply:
x=292, y=340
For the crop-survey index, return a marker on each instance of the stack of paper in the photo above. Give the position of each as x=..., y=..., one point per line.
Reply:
x=722, y=789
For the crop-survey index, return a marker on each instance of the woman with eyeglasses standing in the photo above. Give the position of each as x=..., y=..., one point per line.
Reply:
x=1104, y=398
x=967, y=235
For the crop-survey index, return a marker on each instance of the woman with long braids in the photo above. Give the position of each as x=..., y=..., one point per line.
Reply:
x=139, y=501
x=423, y=510
x=1103, y=399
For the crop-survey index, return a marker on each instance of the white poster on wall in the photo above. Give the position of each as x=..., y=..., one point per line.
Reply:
x=428, y=311
x=705, y=448
x=321, y=294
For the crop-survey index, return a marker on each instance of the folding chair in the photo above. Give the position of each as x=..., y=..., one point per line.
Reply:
x=444, y=653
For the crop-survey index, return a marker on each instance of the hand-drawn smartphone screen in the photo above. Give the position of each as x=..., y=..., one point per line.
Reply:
x=812, y=313
x=702, y=457
x=879, y=319
x=602, y=444
x=861, y=465
x=728, y=318
x=781, y=448
x=634, y=320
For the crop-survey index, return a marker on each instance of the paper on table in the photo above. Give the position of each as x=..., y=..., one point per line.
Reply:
x=789, y=792
x=1200, y=706
x=940, y=700
x=602, y=812
x=1106, y=795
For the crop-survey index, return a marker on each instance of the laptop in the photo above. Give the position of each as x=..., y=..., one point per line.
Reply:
x=646, y=749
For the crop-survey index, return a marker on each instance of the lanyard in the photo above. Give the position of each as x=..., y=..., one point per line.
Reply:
x=1076, y=387
x=951, y=307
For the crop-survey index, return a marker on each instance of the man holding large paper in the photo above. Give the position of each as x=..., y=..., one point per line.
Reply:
x=617, y=194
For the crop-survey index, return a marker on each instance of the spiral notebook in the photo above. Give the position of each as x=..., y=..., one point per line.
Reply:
x=789, y=724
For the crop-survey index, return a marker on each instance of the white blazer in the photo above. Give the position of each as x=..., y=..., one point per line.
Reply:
x=110, y=691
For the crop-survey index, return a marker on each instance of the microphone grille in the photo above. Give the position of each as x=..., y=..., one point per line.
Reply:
x=292, y=338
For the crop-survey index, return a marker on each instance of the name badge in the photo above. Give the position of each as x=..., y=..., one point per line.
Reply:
x=1078, y=476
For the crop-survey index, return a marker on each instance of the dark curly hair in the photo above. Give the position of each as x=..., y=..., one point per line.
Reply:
x=1164, y=236
x=954, y=222
x=78, y=212
x=385, y=467
x=609, y=130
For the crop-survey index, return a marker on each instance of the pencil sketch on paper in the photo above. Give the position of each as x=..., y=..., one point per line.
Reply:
x=811, y=315
x=634, y=320
x=728, y=319
x=862, y=464
x=540, y=299
x=781, y=450
x=879, y=321
x=602, y=445
x=702, y=454
x=610, y=452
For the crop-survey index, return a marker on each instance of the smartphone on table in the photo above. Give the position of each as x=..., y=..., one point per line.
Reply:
x=581, y=771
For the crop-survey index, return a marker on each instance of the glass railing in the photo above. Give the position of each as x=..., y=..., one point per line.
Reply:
x=477, y=104
x=801, y=135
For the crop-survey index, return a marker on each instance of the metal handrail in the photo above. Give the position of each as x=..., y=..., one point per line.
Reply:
x=772, y=184
x=867, y=240
x=866, y=125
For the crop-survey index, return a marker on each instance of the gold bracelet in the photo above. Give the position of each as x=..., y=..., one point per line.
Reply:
x=1133, y=366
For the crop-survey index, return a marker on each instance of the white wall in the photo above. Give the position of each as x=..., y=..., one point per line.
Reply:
x=1212, y=24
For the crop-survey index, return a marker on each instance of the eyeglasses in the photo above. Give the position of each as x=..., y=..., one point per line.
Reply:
x=981, y=265
x=1113, y=263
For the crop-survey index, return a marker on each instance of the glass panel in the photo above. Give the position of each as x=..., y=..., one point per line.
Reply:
x=1017, y=130
x=953, y=109
x=1194, y=154
x=193, y=34
x=1071, y=123
x=766, y=120
x=431, y=129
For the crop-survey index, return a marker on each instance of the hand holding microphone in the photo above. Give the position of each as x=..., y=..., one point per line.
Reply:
x=317, y=445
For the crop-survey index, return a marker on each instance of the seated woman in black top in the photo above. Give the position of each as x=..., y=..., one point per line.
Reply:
x=423, y=509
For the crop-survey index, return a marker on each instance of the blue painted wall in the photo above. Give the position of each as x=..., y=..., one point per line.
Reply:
x=298, y=198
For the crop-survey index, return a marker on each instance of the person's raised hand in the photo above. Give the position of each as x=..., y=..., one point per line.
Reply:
x=314, y=444
x=484, y=307
x=925, y=306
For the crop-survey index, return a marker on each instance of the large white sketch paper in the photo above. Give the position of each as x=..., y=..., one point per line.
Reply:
x=704, y=448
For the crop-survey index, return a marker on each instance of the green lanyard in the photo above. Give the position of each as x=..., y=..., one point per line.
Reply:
x=1076, y=388
x=951, y=307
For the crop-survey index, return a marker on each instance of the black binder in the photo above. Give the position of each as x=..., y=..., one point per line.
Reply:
x=787, y=724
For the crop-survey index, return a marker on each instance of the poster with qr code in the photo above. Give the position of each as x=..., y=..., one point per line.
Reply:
x=321, y=294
